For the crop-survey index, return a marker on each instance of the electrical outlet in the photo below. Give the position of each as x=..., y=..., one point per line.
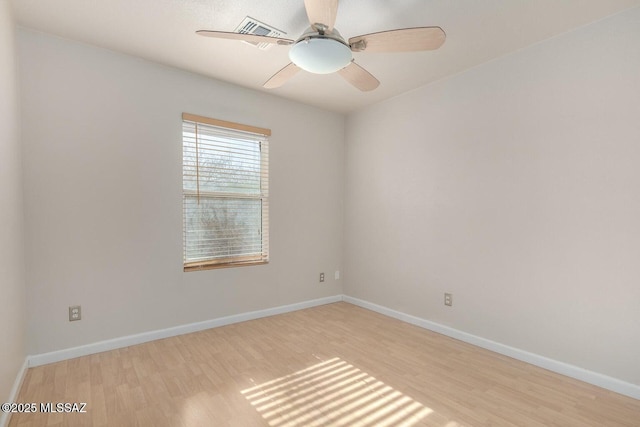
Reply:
x=448, y=299
x=75, y=313
x=336, y=275
x=321, y=277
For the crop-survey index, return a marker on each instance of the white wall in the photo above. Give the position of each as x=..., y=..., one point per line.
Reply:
x=12, y=286
x=515, y=186
x=102, y=160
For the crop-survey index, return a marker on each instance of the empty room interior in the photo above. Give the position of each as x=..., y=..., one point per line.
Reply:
x=305, y=213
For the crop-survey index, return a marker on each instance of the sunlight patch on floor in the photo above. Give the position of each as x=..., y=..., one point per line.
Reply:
x=333, y=393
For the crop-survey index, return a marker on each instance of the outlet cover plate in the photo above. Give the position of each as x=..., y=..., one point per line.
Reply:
x=75, y=313
x=448, y=299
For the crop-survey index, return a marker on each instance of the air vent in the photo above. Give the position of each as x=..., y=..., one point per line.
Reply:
x=253, y=26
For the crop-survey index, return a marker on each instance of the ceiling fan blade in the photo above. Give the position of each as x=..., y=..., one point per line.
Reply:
x=359, y=77
x=251, y=38
x=322, y=12
x=282, y=76
x=402, y=40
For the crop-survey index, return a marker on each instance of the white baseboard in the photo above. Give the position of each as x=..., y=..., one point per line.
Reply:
x=13, y=395
x=600, y=380
x=98, y=347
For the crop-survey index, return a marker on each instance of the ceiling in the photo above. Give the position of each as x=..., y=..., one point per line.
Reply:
x=164, y=31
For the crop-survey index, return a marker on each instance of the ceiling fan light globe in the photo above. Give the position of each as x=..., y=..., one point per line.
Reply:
x=320, y=55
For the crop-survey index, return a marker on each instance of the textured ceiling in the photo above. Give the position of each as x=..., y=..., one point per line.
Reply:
x=164, y=31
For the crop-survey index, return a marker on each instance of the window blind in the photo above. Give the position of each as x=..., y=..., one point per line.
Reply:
x=225, y=176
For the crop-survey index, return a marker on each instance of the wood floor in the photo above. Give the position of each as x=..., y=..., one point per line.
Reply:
x=333, y=365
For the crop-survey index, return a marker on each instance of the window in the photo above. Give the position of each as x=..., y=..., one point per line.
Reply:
x=225, y=186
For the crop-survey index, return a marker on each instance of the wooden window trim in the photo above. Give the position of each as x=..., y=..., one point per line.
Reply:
x=226, y=124
x=226, y=263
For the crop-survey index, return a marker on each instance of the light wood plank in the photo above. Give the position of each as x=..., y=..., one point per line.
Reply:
x=359, y=77
x=334, y=365
x=250, y=38
x=400, y=40
x=282, y=76
x=322, y=12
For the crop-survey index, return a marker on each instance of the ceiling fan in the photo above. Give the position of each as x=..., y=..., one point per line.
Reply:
x=322, y=50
